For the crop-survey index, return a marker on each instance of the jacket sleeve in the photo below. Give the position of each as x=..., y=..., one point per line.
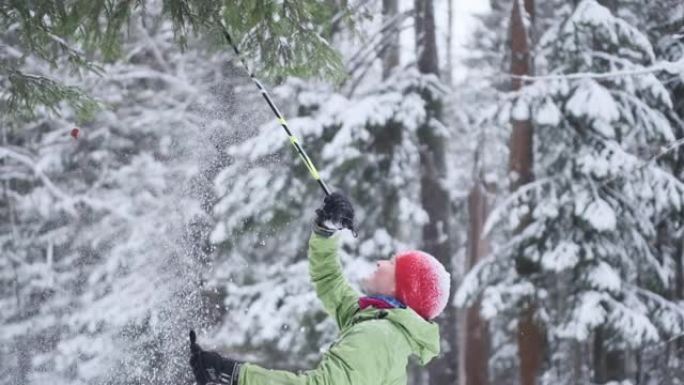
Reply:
x=358, y=360
x=339, y=299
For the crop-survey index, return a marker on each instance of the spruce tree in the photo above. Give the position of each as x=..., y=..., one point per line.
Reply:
x=99, y=262
x=602, y=194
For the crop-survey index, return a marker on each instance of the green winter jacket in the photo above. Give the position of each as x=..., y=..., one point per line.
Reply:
x=373, y=352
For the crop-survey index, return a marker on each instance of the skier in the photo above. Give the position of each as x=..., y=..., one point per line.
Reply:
x=378, y=332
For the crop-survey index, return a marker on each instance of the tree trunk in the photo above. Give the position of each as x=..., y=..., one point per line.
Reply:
x=530, y=345
x=678, y=99
x=387, y=137
x=476, y=329
x=23, y=357
x=448, y=74
x=521, y=145
x=390, y=56
x=435, y=201
x=530, y=336
x=679, y=267
x=578, y=362
x=679, y=289
x=426, y=41
x=609, y=365
x=434, y=196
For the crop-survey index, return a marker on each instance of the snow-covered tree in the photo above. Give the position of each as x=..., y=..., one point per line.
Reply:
x=176, y=206
x=603, y=192
x=489, y=347
x=103, y=234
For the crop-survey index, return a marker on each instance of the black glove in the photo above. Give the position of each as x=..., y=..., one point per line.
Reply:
x=336, y=213
x=210, y=367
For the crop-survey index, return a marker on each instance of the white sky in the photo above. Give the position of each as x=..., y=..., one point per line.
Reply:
x=463, y=23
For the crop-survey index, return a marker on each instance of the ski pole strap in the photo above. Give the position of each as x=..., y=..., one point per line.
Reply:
x=293, y=139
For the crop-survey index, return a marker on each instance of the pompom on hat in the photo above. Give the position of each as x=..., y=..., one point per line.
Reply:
x=423, y=283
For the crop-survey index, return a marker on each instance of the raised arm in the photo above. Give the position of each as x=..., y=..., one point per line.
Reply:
x=339, y=299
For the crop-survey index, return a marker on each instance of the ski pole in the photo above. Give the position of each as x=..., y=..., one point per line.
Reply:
x=293, y=139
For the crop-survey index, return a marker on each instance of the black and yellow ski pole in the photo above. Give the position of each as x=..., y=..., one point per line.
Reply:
x=293, y=139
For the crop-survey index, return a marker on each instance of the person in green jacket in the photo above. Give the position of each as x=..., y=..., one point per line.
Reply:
x=377, y=332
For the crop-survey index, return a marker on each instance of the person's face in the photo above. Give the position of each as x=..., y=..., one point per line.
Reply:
x=382, y=281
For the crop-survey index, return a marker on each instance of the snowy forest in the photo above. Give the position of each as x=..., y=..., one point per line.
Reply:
x=535, y=147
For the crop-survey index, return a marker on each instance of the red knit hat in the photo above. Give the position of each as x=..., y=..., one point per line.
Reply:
x=422, y=283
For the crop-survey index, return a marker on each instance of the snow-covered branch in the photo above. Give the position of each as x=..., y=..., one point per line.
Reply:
x=674, y=68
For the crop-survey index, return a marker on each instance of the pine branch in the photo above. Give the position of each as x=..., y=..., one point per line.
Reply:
x=26, y=92
x=664, y=66
x=67, y=201
x=284, y=37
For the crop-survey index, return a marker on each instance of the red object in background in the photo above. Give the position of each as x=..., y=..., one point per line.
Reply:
x=75, y=132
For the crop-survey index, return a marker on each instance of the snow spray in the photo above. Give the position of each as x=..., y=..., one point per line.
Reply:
x=293, y=139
